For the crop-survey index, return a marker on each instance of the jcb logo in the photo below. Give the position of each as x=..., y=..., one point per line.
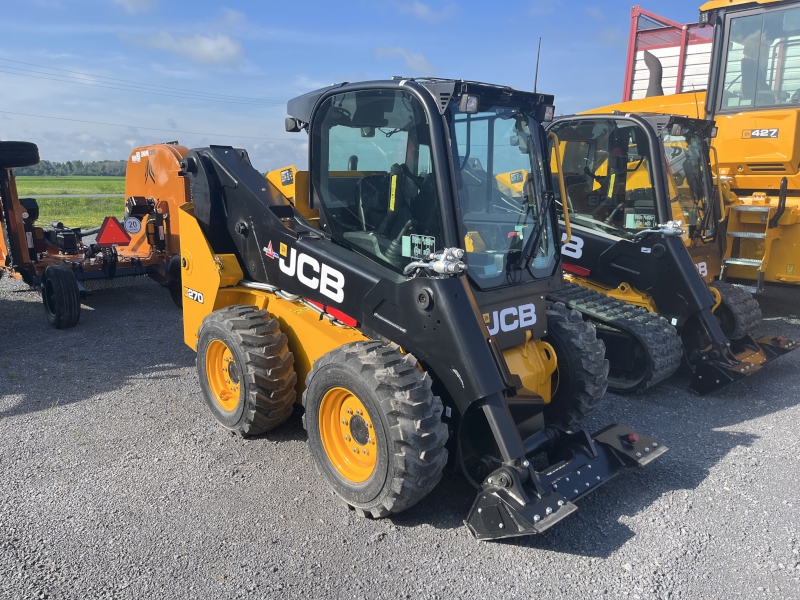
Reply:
x=510, y=318
x=702, y=268
x=330, y=282
x=193, y=295
x=573, y=248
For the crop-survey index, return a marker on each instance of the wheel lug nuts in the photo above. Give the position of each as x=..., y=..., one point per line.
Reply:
x=344, y=421
x=355, y=450
x=349, y=411
x=347, y=438
x=358, y=412
x=365, y=450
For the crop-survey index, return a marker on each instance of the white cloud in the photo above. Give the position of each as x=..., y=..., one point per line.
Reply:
x=596, y=13
x=540, y=8
x=231, y=17
x=415, y=62
x=424, y=12
x=216, y=50
x=137, y=6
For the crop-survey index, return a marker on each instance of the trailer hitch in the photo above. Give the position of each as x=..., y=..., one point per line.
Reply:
x=518, y=500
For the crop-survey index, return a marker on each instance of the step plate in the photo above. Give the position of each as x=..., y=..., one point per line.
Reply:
x=746, y=262
x=748, y=208
x=747, y=234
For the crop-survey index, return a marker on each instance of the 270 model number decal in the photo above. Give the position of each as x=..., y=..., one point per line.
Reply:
x=193, y=295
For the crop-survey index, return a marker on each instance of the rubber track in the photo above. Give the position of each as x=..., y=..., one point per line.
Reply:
x=745, y=309
x=654, y=333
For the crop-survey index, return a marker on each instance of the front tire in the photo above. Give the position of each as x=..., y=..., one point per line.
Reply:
x=61, y=297
x=374, y=427
x=246, y=370
x=581, y=378
x=739, y=313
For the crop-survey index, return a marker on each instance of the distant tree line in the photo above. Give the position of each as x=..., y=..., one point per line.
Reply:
x=111, y=168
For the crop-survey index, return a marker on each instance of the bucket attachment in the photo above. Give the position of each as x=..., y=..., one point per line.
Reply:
x=744, y=357
x=512, y=504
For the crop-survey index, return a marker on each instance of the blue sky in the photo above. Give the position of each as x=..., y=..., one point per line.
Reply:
x=259, y=54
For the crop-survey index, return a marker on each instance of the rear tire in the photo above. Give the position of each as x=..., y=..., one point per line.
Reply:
x=61, y=297
x=246, y=370
x=398, y=452
x=582, y=373
x=739, y=313
x=18, y=154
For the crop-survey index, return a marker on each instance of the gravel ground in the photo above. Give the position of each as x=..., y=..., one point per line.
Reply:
x=115, y=482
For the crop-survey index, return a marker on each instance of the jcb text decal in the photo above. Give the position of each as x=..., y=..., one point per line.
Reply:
x=511, y=318
x=330, y=282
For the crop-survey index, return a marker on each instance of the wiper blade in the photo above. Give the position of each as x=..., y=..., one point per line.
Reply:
x=540, y=221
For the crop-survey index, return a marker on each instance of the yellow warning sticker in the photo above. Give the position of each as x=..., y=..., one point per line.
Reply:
x=790, y=269
x=486, y=318
x=284, y=249
x=611, y=185
x=394, y=189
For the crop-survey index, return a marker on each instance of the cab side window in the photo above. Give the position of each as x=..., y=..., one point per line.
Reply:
x=376, y=185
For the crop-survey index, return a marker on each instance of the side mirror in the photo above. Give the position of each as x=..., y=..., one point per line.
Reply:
x=292, y=125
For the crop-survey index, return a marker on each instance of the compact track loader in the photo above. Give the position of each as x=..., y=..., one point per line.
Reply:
x=739, y=66
x=636, y=186
x=402, y=298
x=55, y=258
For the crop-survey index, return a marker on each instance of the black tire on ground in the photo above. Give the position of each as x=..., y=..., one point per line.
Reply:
x=582, y=367
x=61, y=297
x=174, y=286
x=408, y=429
x=18, y=154
x=264, y=369
x=739, y=313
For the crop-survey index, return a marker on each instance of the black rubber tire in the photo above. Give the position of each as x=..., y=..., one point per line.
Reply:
x=411, y=436
x=739, y=313
x=174, y=286
x=267, y=392
x=61, y=297
x=18, y=154
x=582, y=367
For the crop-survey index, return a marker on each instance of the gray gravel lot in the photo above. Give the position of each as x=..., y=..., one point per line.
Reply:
x=115, y=482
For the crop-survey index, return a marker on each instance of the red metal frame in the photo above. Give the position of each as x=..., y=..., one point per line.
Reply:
x=636, y=13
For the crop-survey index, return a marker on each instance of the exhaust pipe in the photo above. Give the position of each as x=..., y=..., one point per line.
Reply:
x=654, y=87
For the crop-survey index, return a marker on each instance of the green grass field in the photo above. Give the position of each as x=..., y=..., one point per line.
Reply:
x=31, y=186
x=79, y=212
x=74, y=212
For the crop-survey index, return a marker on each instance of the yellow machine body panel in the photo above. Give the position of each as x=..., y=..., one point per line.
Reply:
x=715, y=4
x=209, y=283
x=535, y=362
x=625, y=292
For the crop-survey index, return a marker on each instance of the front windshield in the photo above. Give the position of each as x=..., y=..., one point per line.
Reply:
x=499, y=169
x=688, y=178
x=762, y=67
x=607, y=172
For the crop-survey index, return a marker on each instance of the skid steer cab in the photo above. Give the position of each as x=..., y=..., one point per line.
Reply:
x=65, y=263
x=397, y=289
x=645, y=244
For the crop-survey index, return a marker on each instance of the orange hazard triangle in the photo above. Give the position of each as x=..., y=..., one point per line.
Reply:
x=112, y=234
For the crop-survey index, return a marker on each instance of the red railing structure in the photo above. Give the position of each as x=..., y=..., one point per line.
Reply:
x=684, y=52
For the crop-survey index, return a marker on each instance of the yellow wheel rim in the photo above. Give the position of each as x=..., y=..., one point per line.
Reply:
x=223, y=375
x=348, y=434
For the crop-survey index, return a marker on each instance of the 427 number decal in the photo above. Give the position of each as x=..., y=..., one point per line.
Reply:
x=748, y=134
